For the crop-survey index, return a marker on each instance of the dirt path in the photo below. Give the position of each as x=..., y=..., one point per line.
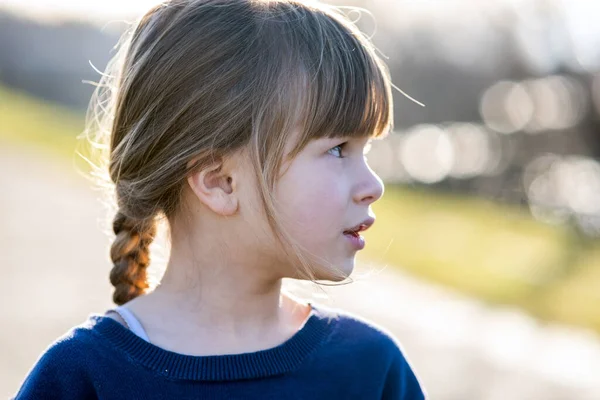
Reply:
x=55, y=267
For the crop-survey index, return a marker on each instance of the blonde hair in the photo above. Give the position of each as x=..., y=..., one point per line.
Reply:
x=205, y=78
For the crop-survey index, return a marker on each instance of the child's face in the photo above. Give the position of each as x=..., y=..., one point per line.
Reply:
x=325, y=191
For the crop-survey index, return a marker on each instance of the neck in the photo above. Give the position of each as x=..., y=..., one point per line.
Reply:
x=232, y=303
x=221, y=295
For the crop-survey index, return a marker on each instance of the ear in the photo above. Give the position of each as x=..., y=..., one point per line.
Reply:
x=214, y=187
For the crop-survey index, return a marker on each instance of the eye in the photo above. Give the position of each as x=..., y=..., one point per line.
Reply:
x=337, y=149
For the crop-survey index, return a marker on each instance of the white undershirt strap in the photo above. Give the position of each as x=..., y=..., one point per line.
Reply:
x=132, y=322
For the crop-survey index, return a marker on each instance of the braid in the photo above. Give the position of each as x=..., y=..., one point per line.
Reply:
x=130, y=254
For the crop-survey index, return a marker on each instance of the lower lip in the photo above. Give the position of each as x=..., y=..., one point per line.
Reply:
x=358, y=242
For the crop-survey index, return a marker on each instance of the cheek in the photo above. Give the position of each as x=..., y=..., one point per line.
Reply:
x=313, y=203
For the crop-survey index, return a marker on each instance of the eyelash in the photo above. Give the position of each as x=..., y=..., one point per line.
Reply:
x=342, y=145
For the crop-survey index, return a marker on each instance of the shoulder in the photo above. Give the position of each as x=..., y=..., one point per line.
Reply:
x=372, y=346
x=76, y=344
x=64, y=367
x=360, y=332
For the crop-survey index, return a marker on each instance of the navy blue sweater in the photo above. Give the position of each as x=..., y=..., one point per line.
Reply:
x=335, y=355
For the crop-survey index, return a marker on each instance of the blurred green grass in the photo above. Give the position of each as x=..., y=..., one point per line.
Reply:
x=497, y=253
x=26, y=119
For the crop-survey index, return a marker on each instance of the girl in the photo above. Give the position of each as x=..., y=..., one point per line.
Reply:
x=243, y=124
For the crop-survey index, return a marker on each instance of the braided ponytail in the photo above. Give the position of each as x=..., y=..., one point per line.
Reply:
x=130, y=254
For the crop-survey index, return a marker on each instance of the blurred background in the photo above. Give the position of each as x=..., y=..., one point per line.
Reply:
x=485, y=258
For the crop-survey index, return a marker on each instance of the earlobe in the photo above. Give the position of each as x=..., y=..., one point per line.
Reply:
x=215, y=189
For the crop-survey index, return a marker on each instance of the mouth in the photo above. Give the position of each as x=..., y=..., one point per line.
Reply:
x=363, y=226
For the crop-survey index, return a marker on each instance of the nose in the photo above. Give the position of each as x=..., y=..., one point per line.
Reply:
x=370, y=188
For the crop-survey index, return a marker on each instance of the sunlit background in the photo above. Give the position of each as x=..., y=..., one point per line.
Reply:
x=485, y=258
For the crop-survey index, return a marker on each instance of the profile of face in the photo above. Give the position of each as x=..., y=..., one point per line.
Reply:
x=323, y=192
x=326, y=190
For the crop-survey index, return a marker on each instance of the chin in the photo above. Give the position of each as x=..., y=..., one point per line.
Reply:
x=341, y=272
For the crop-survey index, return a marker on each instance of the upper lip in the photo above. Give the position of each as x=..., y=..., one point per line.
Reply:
x=363, y=226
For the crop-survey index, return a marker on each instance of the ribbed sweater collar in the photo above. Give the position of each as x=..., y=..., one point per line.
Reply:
x=277, y=360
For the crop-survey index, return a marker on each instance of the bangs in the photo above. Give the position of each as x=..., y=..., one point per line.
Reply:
x=343, y=89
